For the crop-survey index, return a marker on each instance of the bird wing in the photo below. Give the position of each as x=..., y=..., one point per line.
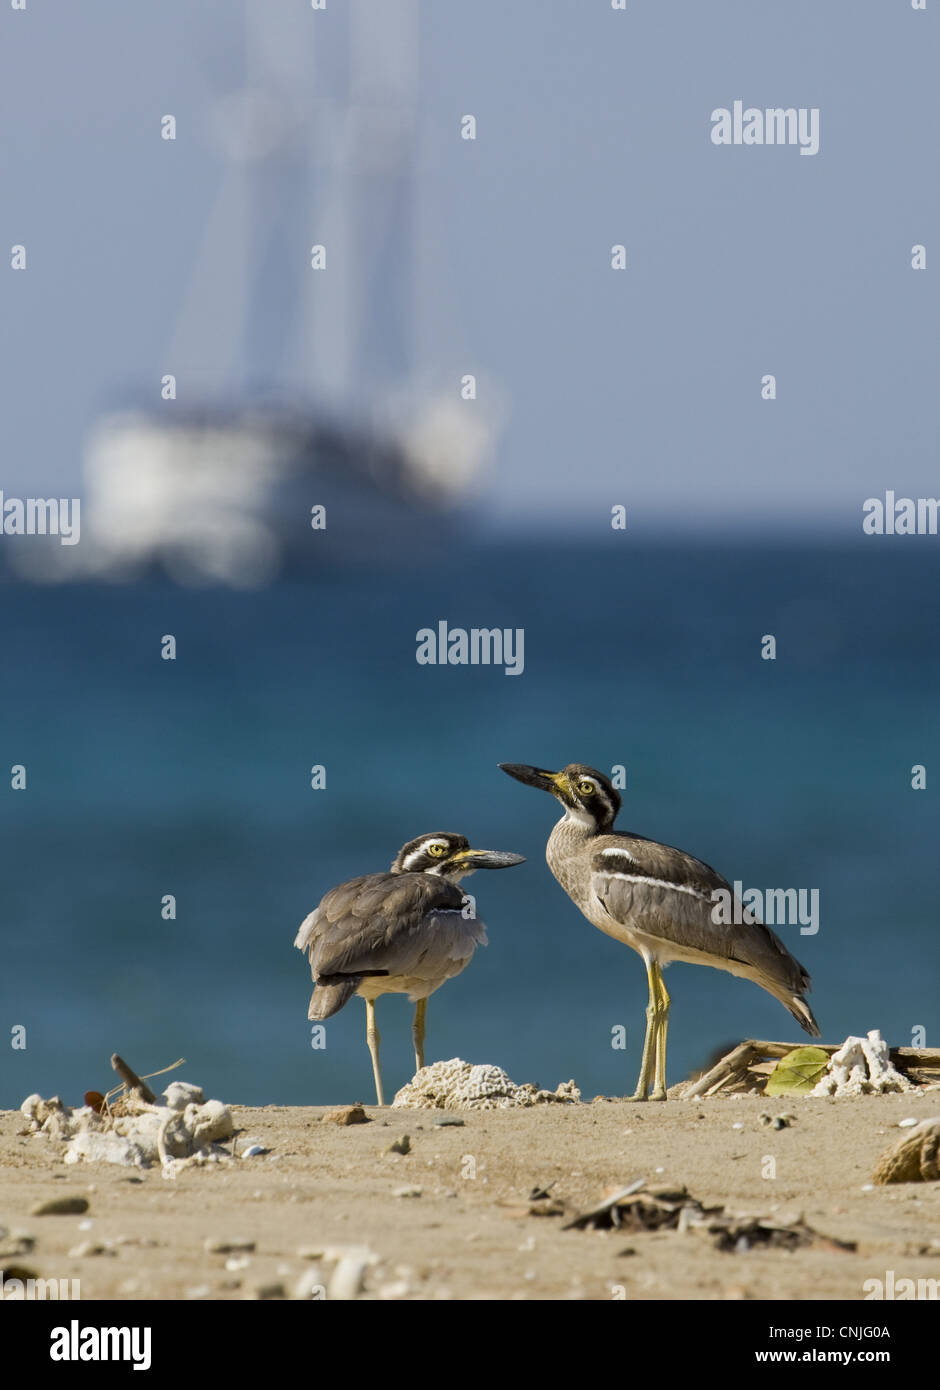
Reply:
x=395, y=924
x=669, y=895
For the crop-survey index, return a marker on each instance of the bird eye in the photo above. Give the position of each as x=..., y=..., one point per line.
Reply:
x=437, y=850
x=586, y=788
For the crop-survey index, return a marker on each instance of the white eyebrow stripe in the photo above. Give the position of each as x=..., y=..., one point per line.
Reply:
x=661, y=883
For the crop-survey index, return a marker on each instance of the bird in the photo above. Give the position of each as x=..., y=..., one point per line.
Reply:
x=406, y=931
x=659, y=900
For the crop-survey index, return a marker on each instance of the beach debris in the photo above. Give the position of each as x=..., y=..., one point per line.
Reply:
x=179, y=1094
x=253, y=1151
x=400, y=1146
x=346, y=1115
x=230, y=1246
x=131, y=1080
x=60, y=1206
x=459, y=1085
x=542, y=1203
x=176, y=1132
x=86, y=1248
x=861, y=1066
x=270, y=1290
x=914, y=1158
x=348, y=1278
x=18, y=1243
x=638, y=1208
x=776, y=1121
x=737, y=1235
x=310, y=1285
x=745, y=1069
x=798, y=1072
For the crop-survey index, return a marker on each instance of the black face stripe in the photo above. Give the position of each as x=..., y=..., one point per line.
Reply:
x=602, y=805
x=415, y=857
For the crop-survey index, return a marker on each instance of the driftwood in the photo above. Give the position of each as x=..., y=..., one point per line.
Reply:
x=746, y=1067
x=131, y=1080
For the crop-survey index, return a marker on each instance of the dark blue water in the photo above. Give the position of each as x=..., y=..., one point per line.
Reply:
x=191, y=778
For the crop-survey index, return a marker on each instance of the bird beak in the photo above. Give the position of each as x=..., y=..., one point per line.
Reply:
x=534, y=777
x=489, y=859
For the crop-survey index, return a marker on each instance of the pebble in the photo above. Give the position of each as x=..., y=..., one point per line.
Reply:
x=400, y=1146
x=906, y=1124
x=407, y=1191
x=737, y=1125
x=346, y=1282
x=227, y=1247
x=310, y=1284
x=88, y=1247
x=400, y=1288
x=253, y=1150
x=60, y=1206
x=346, y=1115
x=449, y=1120
x=237, y=1262
x=21, y=1243
x=273, y=1290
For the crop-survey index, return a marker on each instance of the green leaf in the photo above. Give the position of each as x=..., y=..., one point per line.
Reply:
x=798, y=1072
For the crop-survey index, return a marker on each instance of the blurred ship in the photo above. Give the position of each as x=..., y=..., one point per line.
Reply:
x=365, y=419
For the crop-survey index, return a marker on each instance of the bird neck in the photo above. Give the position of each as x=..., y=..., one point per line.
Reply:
x=568, y=836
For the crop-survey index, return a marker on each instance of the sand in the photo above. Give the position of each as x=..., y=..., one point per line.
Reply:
x=469, y=1234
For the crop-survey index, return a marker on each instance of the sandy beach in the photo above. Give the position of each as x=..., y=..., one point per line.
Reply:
x=453, y=1218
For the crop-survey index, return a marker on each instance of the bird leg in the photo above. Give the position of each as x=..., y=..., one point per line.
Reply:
x=417, y=1032
x=373, y=1039
x=659, y=1085
x=649, y=1041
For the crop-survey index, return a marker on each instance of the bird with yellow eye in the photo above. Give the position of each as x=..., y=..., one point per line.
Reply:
x=406, y=931
x=660, y=901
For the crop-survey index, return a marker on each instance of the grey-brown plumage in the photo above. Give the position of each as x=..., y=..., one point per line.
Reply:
x=659, y=900
x=406, y=931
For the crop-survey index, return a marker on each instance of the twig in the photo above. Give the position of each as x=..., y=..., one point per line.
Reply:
x=131, y=1080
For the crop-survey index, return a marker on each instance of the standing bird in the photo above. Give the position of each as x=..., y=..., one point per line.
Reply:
x=401, y=932
x=659, y=900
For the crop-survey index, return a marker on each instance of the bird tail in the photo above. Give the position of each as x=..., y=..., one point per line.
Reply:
x=333, y=991
x=327, y=1000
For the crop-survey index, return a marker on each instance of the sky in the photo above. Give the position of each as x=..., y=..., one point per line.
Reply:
x=492, y=256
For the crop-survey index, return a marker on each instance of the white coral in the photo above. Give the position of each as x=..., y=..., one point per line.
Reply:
x=148, y=1134
x=459, y=1085
x=862, y=1066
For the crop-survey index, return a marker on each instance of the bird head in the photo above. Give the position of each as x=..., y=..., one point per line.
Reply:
x=586, y=794
x=449, y=856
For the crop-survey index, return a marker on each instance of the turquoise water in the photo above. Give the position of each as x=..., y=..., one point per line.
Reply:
x=191, y=778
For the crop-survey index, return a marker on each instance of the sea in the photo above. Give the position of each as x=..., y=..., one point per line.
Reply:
x=168, y=839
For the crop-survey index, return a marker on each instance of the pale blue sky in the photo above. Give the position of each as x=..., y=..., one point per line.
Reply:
x=640, y=387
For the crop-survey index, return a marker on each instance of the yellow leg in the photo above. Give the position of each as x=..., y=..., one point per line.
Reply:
x=662, y=1025
x=649, y=1040
x=373, y=1039
x=417, y=1032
